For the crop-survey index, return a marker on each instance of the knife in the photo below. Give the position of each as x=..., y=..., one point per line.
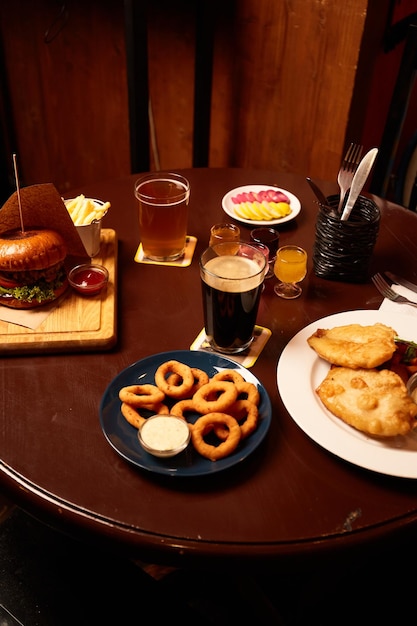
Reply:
x=401, y=281
x=358, y=181
x=318, y=192
x=323, y=202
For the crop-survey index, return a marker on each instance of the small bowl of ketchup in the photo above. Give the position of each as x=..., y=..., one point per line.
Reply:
x=88, y=279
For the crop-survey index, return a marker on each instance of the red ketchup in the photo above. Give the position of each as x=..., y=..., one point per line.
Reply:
x=88, y=280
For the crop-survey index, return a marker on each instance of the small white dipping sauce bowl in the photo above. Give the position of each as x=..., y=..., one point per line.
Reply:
x=164, y=435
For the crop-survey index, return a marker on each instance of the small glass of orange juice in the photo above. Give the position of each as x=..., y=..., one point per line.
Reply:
x=290, y=268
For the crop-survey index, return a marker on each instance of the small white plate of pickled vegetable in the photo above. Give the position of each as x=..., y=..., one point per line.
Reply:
x=261, y=205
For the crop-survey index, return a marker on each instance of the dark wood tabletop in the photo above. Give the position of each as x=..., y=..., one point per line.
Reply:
x=289, y=498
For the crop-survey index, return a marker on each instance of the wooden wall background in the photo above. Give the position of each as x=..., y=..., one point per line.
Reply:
x=284, y=75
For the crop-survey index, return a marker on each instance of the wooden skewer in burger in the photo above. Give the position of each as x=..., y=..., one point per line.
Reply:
x=32, y=271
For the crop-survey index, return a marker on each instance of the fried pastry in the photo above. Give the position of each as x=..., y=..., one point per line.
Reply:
x=355, y=346
x=372, y=401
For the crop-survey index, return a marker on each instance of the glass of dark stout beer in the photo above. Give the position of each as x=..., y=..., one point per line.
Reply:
x=232, y=284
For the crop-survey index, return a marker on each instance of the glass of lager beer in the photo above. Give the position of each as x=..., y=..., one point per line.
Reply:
x=163, y=215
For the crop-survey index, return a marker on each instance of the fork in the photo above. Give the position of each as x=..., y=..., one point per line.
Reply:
x=384, y=288
x=347, y=170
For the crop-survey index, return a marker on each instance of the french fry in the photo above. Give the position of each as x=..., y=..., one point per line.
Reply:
x=84, y=210
x=77, y=208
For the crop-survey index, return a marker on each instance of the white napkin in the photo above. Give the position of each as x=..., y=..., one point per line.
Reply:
x=394, y=307
x=29, y=318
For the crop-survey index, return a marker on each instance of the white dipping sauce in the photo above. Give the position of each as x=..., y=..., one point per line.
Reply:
x=163, y=433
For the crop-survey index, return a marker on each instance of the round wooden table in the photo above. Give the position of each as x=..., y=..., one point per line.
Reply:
x=290, y=498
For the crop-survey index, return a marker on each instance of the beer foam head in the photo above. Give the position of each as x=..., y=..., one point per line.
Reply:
x=232, y=274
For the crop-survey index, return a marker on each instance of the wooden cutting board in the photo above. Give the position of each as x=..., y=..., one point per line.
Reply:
x=78, y=322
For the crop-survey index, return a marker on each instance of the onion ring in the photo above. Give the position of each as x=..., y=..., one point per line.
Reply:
x=246, y=413
x=231, y=375
x=141, y=395
x=200, y=378
x=174, y=390
x=156, y=409
x=249, y=391
x=180, y=408
x=216, y=396
x=130, y=413
x=134, y=416
x=206, y=423
x=174, y=379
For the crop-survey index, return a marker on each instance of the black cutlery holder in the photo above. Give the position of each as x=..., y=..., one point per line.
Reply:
x=342, y=250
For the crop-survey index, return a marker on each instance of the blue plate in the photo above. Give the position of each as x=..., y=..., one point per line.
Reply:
x=123, y=437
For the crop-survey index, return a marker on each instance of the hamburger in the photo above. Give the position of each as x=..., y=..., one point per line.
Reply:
x=32, y=271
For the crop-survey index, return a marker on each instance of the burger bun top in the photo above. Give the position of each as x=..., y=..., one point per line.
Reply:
x=31, y=250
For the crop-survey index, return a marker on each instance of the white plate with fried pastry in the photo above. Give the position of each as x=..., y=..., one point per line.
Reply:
x=230, y=204
x=393, y=456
